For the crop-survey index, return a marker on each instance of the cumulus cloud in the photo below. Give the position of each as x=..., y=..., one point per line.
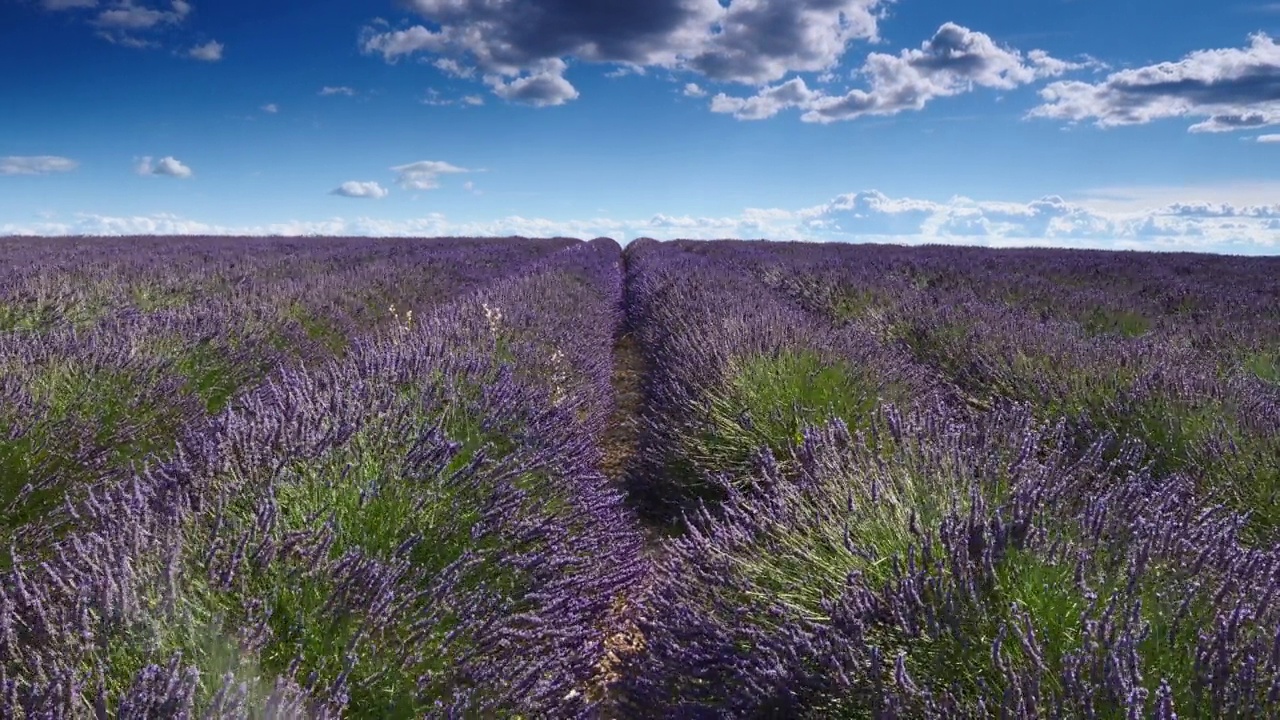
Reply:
x=339, y=90
x=208, y=52
x=546, y=86
x=693, y=90
x=354, y=189
x=520, y=46
x=164, y=166
x=35, y=165
x=1273, y=138
x=425, y=174
x=1227, y=89
x=955, y=60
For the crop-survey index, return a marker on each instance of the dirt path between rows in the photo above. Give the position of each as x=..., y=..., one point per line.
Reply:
x=622, y=437
x=619, y=447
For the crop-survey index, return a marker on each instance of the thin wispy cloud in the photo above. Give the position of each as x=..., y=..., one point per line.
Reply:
x=128, y=16
x=336, y=90
x=36, y=165
x=270, y=108
x=425, y=174
x=67, y=4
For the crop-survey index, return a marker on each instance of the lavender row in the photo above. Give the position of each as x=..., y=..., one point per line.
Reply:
x=929, y=568
x=733, y=368
x=409, y=530
x=1198, y=410
x=80, y=403
x=1211, y=302
x=333, y=283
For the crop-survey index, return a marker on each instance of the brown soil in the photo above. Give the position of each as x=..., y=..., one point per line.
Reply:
x=622, y=436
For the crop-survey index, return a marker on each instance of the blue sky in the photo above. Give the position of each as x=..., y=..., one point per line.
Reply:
x=1062, y=122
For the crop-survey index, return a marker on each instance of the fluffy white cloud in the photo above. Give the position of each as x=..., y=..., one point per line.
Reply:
x=869, y=216
x=35, y=165
x=354, y=189
x=954, y=61
x=1273, y=138
x=545, y=86
x=169, y=166
x=339, y=90
x=693, y=90
x=208, y=52
x=1228, y=89
x=425, y=174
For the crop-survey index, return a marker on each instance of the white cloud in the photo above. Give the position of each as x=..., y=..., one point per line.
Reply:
x=354, y=189
x=1273, y=138
x=208, y=52
x=1193, y=224
x=35, y=165
x=340, y=90
x=546, y=86
x=128, y=16
x=453, y=68
x=271, y=108
x=954, y=61
x=434, y=97
x=164, y=166
x=693, y=90
x=1227, y=89
x=425, y=174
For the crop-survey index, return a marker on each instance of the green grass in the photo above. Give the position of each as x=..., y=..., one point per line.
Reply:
x=150, y=297
x=1264, y=364
x=1109, y=321
x=113, y=416
x=317, y=327
x=94, y=421
x=766, y=401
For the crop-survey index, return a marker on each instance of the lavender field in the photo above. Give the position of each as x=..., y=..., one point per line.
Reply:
x=518, y=478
